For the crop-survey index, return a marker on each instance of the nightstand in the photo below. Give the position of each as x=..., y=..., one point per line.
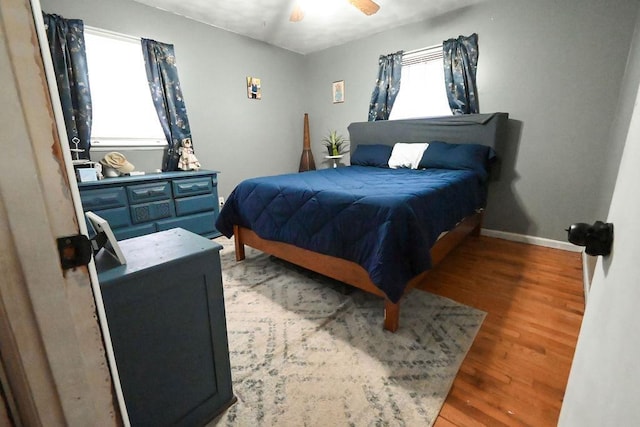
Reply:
x=165, y=311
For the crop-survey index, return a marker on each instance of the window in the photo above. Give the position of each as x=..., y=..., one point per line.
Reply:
x=422, y=88
x=123, y=111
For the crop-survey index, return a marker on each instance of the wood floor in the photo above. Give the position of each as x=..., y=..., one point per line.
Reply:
x=516, y=371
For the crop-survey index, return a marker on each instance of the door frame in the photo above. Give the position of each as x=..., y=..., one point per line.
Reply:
x=55, y=343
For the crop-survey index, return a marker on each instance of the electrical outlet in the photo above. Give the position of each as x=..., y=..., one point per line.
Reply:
x=221, y=201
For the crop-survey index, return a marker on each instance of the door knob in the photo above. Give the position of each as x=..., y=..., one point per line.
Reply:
x=596, y=237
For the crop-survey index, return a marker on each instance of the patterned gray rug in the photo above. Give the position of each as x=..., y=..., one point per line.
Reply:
x=304, y=353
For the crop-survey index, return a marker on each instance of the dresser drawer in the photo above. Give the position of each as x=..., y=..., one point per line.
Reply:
x=103, y=198
x=151, y=211
x=189, y=205
x=149, y=192
x=192, y=187
x=202, y=223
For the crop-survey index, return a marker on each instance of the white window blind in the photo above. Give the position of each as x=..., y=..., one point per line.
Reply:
x=123, y=111
x=422, y=88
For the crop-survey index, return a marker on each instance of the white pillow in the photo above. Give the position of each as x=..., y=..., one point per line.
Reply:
x=407, y=155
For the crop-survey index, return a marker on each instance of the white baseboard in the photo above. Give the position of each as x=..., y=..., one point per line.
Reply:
x=532, y=240
x=588, y=270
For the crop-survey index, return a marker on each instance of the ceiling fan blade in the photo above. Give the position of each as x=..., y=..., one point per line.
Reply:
x=297, y=14
x=368, y=7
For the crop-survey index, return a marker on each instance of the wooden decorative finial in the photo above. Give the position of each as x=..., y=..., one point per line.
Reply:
x=306, y=161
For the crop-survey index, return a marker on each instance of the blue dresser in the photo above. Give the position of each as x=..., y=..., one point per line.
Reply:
x=139, y=205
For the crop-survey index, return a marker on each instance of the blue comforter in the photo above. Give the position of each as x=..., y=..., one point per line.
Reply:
x=386, y=220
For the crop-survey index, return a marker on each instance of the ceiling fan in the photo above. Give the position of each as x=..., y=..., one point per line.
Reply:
x=368, y=7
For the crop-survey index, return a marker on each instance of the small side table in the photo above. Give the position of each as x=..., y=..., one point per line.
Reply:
x=335, y=159
x=165, y=310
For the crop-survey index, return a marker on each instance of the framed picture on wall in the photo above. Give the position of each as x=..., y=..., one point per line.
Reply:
x=254, y=88
x=338, y=91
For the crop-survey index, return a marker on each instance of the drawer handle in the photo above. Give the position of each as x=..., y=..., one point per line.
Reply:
x=159, y=191
x=193, y=187
x=102, y=200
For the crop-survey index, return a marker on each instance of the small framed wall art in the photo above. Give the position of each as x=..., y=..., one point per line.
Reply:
x=338, y=91
x=254, y=88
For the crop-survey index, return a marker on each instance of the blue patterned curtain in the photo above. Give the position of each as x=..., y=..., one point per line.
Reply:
x=387, y=86
x=162, y=74
x=460, y=64
x=66, y=43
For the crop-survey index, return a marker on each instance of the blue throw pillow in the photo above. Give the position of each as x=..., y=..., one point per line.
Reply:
x=372, y=155
x=443, y=155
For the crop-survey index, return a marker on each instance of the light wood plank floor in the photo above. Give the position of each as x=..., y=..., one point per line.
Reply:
x=516, y=371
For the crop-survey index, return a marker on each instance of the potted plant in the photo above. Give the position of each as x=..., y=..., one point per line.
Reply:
x=336, y=144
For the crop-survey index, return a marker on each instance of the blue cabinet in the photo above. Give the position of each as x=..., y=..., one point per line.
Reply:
x=166, y=315
x=135, y=206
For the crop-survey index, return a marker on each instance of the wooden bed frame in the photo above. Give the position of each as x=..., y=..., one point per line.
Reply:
x=349, y=272
x=486, y=129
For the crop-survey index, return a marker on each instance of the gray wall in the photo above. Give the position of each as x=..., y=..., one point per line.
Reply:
x=231, y=133
x=554, y=66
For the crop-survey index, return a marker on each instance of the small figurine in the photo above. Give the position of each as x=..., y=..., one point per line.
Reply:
x=188, y=160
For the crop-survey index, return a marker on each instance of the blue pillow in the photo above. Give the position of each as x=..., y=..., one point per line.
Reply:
x=372, y=155
x=443, y=155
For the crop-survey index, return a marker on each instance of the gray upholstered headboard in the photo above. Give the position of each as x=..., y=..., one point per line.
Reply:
x=485, y=129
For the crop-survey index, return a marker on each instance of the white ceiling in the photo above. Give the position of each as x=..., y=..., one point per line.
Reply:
x=331, y=23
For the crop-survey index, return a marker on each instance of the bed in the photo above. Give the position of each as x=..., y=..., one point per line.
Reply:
x=376, y=228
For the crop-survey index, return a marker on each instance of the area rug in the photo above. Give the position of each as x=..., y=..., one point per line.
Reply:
x=306, y=353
